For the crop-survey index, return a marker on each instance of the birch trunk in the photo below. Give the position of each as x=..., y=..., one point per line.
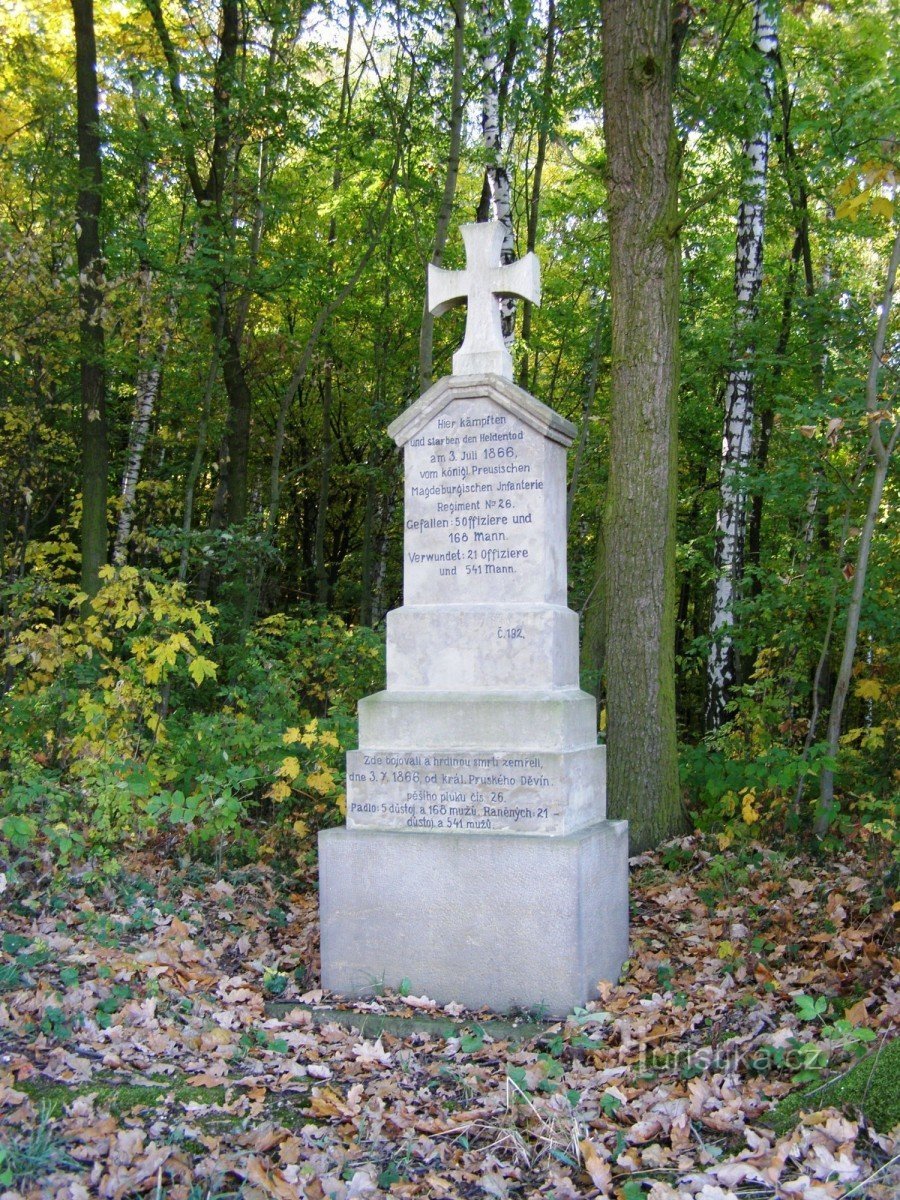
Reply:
x=320, y=566
x=496, y=175
x=737, y=436
x=445, y=212
x=534, y=200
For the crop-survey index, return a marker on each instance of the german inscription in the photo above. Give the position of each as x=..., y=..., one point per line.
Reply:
x=474, y=507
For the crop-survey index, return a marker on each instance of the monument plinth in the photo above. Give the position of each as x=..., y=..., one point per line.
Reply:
x=477, y=862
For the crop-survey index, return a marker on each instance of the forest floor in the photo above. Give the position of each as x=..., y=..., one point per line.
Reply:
x=143, y=1050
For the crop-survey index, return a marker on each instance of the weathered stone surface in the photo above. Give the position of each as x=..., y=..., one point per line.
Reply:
x=476, y=862
x=557, y=719
x=481, y=527
x=504, y=922
x=478, y=286
x=477, y=791
x=459, y=647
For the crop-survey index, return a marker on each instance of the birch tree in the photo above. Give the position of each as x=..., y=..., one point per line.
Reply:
x=496, y=199
x=151, y=357
x=445, y=212
x=737, y=434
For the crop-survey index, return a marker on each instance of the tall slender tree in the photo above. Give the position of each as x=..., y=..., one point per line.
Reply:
x=445, y=212
x=639, y=530
x=737, y=434
x=94, y=438
x=496, y=196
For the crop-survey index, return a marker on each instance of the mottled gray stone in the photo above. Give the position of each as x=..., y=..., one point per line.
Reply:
x=476, y=862
x=505, y=645
x=477, y=791
x=527, y=720
x=478, y=286
x=503, y=922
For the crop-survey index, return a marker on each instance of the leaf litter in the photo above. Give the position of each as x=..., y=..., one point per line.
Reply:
x=139, y=1055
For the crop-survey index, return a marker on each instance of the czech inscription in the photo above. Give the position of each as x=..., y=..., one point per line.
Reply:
x=450, y=790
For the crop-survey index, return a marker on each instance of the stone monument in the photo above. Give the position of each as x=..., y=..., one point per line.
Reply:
x=476, y=861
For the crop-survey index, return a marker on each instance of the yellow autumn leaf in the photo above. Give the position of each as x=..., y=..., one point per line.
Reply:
x=341, y=802
x=291, y=735
x=850, y=208
x=882, y=207
x=329, y=739
x=200, y=668
x=290, y=768
x=748, y=808
x=321, y=781
x=725, y=950
x=300, y=828
x=868, y=689
x=280, y=790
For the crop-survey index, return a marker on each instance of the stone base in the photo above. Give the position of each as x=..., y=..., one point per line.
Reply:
x=503, y=922
x=553, y=719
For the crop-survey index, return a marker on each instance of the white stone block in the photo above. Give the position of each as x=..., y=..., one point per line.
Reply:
x=460, y=647
x=562, y=719
x=512, y=922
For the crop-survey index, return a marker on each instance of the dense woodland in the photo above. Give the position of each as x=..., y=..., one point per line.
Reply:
x=215, y=222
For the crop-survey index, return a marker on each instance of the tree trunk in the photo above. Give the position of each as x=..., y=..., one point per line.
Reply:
x=639, y=529
x=319, y=564
x=209, y=197
x=737, y=437
x=445, y=212
x=881, y=452
x=534, y=200
x=496, y=192
x=94, y=441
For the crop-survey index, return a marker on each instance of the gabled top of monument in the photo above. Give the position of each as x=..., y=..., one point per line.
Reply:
x=479, y=286
x=503, y=392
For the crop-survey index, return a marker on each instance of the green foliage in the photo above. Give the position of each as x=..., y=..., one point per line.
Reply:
x=128, y=717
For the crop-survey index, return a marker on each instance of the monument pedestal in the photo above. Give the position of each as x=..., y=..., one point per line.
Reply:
x=476, y=862
x=503, y=922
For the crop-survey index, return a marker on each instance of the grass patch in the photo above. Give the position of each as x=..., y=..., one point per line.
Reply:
x=872, y=1087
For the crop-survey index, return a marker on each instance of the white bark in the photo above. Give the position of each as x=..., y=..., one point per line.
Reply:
x=497, y=174
x=737, y=437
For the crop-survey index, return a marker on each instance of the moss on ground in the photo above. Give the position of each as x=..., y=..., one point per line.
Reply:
x=872, y=1087
x=116, y=1097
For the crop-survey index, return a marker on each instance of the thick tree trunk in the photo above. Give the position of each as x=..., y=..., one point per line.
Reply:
x=639, y=530
x=737, y=436
x=94, y=441
x=445, y=212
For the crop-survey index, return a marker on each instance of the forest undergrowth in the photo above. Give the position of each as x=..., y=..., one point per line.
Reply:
x=163, y=1034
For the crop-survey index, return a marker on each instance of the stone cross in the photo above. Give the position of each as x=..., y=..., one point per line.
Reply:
x=484, y=279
